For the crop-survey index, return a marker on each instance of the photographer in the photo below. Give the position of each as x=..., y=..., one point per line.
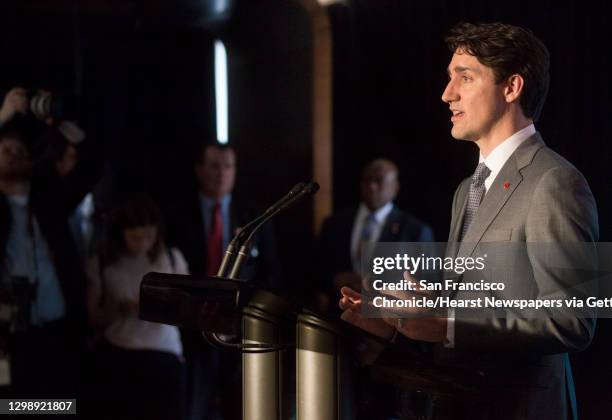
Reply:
x=42, y=281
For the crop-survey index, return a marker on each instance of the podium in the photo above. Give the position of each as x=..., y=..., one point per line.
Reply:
x=264, y=326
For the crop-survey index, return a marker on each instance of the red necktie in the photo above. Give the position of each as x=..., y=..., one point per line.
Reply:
x=215, y=241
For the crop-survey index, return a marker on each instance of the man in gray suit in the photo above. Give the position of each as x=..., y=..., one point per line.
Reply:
x=521, y=192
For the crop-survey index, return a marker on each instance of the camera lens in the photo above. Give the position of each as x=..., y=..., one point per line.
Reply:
x=40, y=105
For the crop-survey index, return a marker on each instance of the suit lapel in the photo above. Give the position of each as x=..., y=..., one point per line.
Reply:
x=500, y=191
x=459, y=213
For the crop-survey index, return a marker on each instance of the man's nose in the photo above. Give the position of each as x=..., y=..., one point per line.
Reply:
x=373, y=186
x=450, y=94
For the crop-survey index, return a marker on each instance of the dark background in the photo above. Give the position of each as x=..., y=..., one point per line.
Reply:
x=390, y=71
x=142, y=74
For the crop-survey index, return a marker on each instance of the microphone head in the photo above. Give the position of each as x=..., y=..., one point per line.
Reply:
x=311, y=188
x=297, y=188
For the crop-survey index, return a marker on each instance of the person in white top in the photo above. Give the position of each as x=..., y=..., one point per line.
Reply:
x=141, y=359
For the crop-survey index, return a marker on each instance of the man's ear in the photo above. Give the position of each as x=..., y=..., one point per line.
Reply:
x=514, y=88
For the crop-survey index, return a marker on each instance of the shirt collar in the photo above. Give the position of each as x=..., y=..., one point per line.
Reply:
x=380, y=215
x=498, y=157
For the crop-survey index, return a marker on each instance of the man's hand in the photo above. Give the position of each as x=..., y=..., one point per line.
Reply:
x=420, y=324
x=351, y=303
x=15, y=102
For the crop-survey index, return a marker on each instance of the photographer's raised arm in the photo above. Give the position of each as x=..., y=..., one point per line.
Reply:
x=79, y=176
x=15, y=102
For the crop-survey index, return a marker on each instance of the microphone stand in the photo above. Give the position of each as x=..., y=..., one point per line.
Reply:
x=240, y=237
x=245, y=249
x=243, y=241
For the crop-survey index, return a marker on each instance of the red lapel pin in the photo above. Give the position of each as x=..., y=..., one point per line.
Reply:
x=506, y=185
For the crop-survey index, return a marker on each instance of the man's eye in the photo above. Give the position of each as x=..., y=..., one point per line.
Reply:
x=466, y=78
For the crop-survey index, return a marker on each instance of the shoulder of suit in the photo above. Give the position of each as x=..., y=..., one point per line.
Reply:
x=244, y=213
x=546, y=160
x=404, y=217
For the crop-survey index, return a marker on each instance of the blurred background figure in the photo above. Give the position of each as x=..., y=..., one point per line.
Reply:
x=375, y=219
x=42, y=280
x=201, y=226
x=141, y=365
x=64, y=147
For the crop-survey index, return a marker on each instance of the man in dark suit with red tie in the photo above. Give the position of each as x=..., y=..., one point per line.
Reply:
x=201, y=227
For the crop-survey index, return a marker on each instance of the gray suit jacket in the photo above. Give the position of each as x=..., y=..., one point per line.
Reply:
x=537, y=197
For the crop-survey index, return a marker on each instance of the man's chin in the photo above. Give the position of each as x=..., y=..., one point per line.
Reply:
x=458, y=135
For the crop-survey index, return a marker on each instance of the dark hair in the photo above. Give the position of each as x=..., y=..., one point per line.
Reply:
x=202, y=147
x=135, y=212
x=508, y=50
x=55, y=144
x=12, y=133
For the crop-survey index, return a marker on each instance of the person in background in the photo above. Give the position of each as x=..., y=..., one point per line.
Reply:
x=64, y=148
x=142, y=369
x=375, y=219
x=40, y=281
x=201, y=226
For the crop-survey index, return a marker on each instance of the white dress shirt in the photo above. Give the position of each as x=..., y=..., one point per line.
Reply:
x=500, y=155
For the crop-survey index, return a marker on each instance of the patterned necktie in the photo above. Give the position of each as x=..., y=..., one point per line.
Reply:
x=477, y=190
x=215, y=241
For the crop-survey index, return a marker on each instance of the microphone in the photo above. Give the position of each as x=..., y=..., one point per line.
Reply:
x=308, y=189
x=239, y=238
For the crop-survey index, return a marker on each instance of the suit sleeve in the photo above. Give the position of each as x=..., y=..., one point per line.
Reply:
x=562, y=212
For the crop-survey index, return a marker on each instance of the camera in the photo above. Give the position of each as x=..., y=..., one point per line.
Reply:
x=16, y=298
x=44, y=104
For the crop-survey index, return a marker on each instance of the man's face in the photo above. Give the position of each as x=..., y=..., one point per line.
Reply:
x=476, y=101
x=379, y=186
x=217, y=172
x=15, y=162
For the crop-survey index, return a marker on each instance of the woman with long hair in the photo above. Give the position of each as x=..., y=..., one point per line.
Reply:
x=141, y=365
